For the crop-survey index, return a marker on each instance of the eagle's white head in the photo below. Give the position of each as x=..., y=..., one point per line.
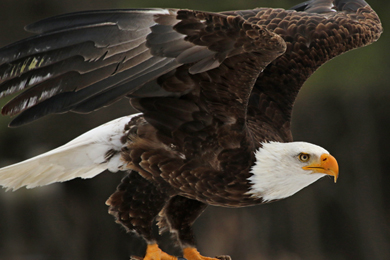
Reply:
x=283, y=169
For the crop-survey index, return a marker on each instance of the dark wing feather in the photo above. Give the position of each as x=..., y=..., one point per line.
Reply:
x=72, y=66
x=94, y=53
x=245, y=50
x=88, y=18
x=90, y=51
x=312, y=39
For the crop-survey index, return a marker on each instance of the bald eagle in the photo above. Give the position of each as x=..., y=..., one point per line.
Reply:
x=215, y=93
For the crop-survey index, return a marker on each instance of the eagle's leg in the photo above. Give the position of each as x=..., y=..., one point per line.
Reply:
x=179, y=215
x=135, y=204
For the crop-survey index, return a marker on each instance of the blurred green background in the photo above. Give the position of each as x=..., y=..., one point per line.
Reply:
x=344, y=107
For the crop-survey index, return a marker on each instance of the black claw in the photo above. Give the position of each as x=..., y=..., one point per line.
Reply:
x=224, y=257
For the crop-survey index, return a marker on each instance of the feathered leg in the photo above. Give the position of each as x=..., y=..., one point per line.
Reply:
x=135, y=204
x=179, y=215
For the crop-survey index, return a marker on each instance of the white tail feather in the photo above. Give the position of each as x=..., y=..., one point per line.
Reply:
x=83, y=157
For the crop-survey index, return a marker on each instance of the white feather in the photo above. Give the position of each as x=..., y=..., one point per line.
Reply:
x=278, y=173
x=82, y=157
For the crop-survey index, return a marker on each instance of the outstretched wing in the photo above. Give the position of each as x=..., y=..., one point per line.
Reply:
x=78, y=56
x=315, y=32
x=83, y=61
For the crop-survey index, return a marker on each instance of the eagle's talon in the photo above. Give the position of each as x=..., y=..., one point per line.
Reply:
x=153, y=252
x=190, y=253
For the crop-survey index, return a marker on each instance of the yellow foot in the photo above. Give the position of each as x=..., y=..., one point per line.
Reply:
x=153, y=252
x=165, y=256
x=190, y=253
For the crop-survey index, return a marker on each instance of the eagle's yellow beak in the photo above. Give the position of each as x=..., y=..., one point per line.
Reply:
x=327, y=164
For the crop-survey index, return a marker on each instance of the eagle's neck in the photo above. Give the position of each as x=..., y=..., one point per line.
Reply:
x=274, y=176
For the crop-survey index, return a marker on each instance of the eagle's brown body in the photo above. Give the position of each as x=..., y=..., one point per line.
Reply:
x=226, y=83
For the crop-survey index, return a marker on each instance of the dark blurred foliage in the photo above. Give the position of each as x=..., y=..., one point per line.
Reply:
x=344, y=107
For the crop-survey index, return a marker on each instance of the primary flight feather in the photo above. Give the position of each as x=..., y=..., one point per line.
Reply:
x=215, y=92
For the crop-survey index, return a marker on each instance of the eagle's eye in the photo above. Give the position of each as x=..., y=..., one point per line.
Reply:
x=304, y=157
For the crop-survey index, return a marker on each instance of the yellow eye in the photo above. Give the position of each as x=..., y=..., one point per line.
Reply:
x=303, y=157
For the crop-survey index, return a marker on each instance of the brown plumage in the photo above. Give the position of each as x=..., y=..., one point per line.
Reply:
x=212, y=89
